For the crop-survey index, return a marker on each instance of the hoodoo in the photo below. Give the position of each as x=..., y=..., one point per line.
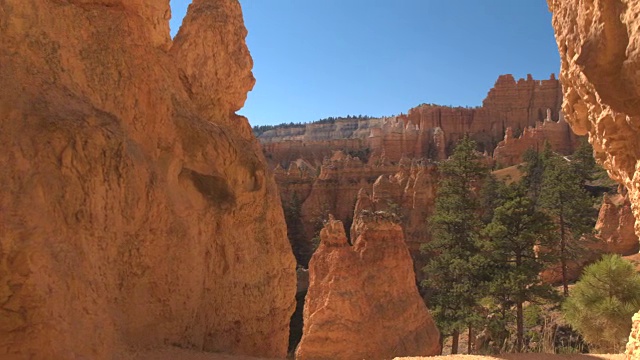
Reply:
x=136, y=210
x=362, y=301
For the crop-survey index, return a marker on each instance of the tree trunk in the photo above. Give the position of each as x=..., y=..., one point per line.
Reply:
x=441, y=340
x=519, y=327
x=563, y=259
x=470, y=342
x=455, y=337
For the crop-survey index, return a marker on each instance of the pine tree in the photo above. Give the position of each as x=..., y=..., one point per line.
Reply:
x=602, y=302
x=515, y=230
x=453, y=274
x=533, y=169
x=563, y=197
x=583, y=162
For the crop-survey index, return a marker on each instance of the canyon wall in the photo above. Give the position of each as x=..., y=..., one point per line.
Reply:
x=362, y=301
x=431, y=131
x=510, y=151
x=600, y=74
x=136, y=208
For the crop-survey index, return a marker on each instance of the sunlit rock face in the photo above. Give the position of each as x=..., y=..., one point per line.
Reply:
x=362, y=301
x=429, y=130
x=599, y=43
x=136, y=210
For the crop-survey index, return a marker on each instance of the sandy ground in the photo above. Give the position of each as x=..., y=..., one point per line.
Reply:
x=181, y=354
x=524, y=357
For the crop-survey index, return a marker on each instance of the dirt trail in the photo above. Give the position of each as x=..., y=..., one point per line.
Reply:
x=182, y=354
x=523, y=357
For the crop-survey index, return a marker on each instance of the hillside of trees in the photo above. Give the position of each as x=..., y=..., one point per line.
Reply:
x=260, y=129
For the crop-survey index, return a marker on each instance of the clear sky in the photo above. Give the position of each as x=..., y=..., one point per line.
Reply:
x=319, y=58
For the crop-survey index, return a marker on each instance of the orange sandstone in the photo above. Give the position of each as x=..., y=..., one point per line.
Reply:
x=136, y=208
x=362, y=301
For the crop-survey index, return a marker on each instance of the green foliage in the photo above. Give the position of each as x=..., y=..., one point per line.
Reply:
x=260, y=129
x=564, y=198
x=455, y=273
x=490, y=197
x=533, y=169
x=510, y=238
x=362, y=154
x=583, y=162
x=601, y=304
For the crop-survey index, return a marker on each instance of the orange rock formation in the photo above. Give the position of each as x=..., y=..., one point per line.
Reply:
x=428, y=131
x=509, y=151
x=615, y=226
x=600, y=75
x=362, y=301
x=135, y=210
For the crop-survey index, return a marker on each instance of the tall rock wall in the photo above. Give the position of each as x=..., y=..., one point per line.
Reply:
x=600, y=74
x=362, y=301
x=136, y=210
x=510, y=151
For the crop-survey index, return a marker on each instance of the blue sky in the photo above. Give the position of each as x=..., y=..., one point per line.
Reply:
x=320, y=58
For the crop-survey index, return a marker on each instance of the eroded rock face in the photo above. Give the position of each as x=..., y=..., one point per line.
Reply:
x=600, y=54
x=362, y=301
x=426, y=131
x=410, y=195
x=615, y=226
x=510, y=151
x=136, y=209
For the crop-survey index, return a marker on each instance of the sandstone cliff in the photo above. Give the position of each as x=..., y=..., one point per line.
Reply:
x=600, y=63
x=510, y=151
x=362, y=301
x=135, y=210
x=615, y=226
x=428, y=131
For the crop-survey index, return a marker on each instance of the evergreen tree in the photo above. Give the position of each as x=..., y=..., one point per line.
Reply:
x=515, y=230
x=490, y=197
x=583, y=162
x=601, y=304
x=453, y=274
x=533, y=169
x=563, y=197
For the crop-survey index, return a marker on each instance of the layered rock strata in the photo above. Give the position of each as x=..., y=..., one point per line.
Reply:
x=362, y=301
x=410, y=195
x=428, y=131
x=136, y=209
x=510, y=151
x=600, y=74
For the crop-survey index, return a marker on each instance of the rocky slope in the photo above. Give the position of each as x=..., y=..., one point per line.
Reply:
x=600, y=63
x=362, y=301
x=136, y=210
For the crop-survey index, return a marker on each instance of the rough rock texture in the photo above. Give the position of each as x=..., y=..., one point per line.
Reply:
x=599, y=43
x=509, y=151
x=363, y=302
x=633, y=346
x=135, y=210
x=410, y=195
x=308, y=198
x=409, y=188
x=428, y=131
x=615, y=226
